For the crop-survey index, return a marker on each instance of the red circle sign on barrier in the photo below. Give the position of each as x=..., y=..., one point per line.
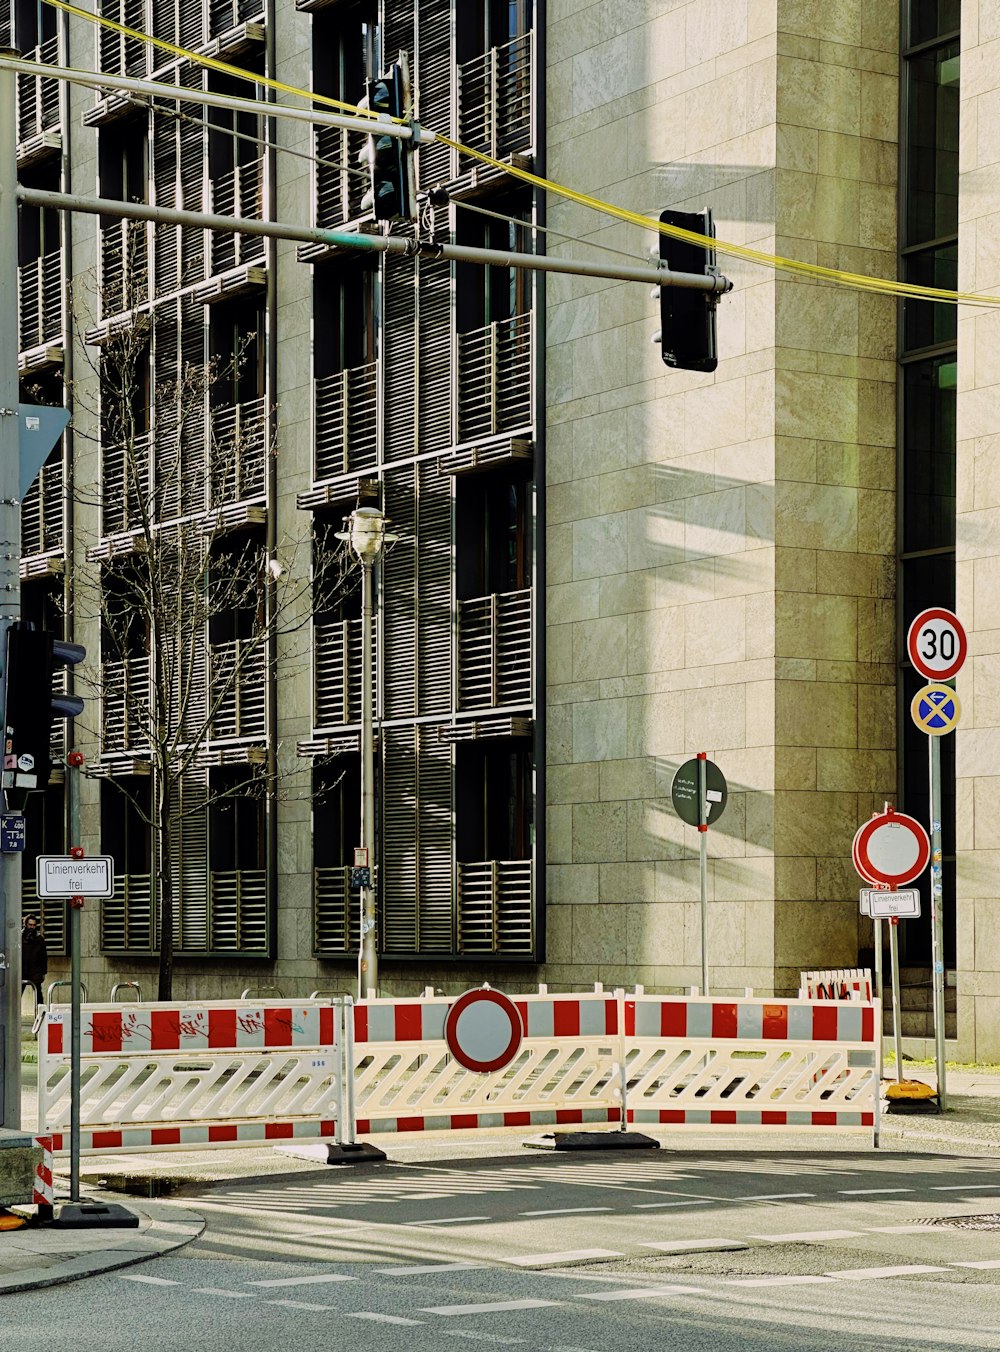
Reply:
x=892, y=848
x=483, y=1030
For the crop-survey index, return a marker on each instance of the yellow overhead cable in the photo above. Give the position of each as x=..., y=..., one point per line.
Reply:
x=815, y=271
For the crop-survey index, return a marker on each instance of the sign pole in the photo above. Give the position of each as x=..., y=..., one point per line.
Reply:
x=897, y=1031
x=879, y=982
x=703, y=840
x=937, y=920
x=75, y=907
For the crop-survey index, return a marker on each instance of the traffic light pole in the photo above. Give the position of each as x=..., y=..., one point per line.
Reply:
x=10, y=597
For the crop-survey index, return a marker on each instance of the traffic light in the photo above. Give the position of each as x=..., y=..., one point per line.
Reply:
x=388, y=158
x=31, y=705
x=687, y=317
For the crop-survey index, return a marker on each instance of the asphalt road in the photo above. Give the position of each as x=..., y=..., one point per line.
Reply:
x=557, y=1253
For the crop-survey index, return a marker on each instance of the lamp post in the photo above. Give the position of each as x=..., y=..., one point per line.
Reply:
x=367, y=536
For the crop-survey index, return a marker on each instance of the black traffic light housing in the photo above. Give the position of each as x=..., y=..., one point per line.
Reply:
x=31, y=705
x=389, y=158
x=687, y=317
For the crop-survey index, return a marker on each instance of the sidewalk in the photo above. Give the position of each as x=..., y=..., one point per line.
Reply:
x=43, y=1256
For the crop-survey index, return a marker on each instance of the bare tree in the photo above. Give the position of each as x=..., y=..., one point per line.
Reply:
x=191, y=593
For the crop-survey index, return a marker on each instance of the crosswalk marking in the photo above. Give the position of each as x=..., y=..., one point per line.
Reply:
x=866, y=1274
x=808, y=1236
x=690, y=1245
x=151, y=1281
x=299, y=1305
x=568, y=1211
x=490, y=1307
x=570, y=1256
x=419, y=1269
x=643, y=1293
x=777, y=1281
x=220, y=1291
x=869, y=1192
x=382, y=1318
x=985, y=1264
x=317, y=1279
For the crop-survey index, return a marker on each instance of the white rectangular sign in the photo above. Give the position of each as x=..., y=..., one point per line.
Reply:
x=882, y=905
x=60, y=875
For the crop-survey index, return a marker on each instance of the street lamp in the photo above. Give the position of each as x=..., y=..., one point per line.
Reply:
x=367, y=537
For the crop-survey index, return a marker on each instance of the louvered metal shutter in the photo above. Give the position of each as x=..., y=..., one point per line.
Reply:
x=399, y=622
x=165, y=186
x=399, y=340
x=167, y=415
x=434, y=353
x=434, y=834
x=192, y=22
x=189, y=860
x=192, y=434
x=398, y=28
x=417, y=909
x=433, y=84
x=434, y=614
x=192, y=167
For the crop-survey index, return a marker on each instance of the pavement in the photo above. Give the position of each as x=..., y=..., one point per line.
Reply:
x=43, y=1254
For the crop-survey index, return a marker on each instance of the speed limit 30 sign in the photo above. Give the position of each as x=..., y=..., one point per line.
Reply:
x=936, y=644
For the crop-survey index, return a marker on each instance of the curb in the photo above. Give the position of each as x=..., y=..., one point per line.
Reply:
x=170, y=1228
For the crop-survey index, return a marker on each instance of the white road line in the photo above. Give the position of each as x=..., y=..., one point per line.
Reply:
x=476, y=1336
x=150, y=1281
x=317, y=1279
x=446, y=1220
x=686, y=1245
x=980, y=1201
x=868, y=1274
x=218, y=1291
x=492, y=1307
x=643, y=1293
x=774, y=1196
x=382, y=1318
x=776, y=1281
x=571, y=1256
x=650, y=1206
x=963, y=1187
x=869, y=1192
x=299, y=1305
x=808, y=1236
x=567, y=1211
x=985, y=1264
x=899, y=1229
x=418, y=1269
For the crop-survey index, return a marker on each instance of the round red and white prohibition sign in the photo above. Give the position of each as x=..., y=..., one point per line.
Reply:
x=937, y=644
x=892, y=848
x=483, y=1030
x=858, y=867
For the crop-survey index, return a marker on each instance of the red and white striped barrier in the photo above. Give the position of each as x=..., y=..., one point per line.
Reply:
x=189, y=1076
x=44, y=1193
x=752, y=1062
x=405, y=1076
x=225, y=1074
x=838, y=983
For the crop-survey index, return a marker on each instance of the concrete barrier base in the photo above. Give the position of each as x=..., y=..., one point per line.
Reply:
x=19, y=1159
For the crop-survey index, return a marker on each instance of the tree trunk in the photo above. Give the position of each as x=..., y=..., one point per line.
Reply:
x=165, y=891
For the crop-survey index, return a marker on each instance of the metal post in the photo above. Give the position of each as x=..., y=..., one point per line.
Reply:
x=937, y=920
x=10, y=593
x=703, y=840
x=879, y=986
x=75, y=907
x=897, y=1031
x=368, y=973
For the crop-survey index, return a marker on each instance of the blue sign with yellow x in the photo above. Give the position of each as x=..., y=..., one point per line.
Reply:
x=935, y=709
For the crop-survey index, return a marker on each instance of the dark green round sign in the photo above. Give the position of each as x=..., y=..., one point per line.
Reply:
x=684, y=792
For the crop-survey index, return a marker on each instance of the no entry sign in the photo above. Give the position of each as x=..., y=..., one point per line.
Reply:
x=483, y=1030
x=892, y=849
x=936, y=644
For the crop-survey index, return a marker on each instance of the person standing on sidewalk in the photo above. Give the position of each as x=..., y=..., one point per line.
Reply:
x=34, y=956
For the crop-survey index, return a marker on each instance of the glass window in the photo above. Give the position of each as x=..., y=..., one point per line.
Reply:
x=932, y=92
x=929, y=454
x=924, y=323
x=928, y=19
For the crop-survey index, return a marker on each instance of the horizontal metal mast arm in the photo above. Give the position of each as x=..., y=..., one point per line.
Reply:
x=398, y=244
x=157, y=89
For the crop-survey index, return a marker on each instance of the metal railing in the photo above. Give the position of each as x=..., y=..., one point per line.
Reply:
x=127, y=916
x=494, y=378
x=346, y=421
x=40, y=301
x=336, y=911
x=124, y=267
x=494, y=907
x=125, y=704
x=125, y=485
x=236, y=688
x=42, y=528
x=494, y=650
x=38, y=95
x=494, y=99
x=337, y=657
x=238, y=920
x=239, y=193
x=339, y=185
x=237, y=454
